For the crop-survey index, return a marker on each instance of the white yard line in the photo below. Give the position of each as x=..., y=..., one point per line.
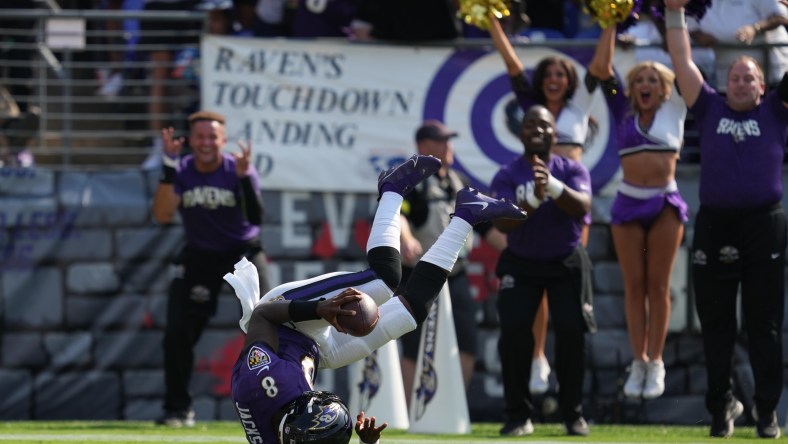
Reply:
x=91, y=437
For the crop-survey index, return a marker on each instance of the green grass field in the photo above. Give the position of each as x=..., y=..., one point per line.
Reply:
x=123, y=432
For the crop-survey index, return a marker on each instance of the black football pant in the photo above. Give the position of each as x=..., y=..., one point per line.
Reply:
x=193, y=298
x=518, y=301
x=747, y=248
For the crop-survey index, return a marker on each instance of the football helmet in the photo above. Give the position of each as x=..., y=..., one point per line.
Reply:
x=315, y=418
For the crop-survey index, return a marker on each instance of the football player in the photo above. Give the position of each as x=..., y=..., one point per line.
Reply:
x=289, y=334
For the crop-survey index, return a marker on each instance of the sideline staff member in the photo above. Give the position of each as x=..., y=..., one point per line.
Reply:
x=218, y=197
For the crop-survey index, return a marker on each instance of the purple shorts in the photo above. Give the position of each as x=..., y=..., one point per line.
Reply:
x=639, y=204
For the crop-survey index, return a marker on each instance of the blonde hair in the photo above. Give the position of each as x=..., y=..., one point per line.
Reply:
x=666, y=78
x=201, y=116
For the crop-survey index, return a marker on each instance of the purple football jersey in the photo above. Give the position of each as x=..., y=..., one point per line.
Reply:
x=549, y=234
x=741, y=153
x=211, y=205
x=264, y=381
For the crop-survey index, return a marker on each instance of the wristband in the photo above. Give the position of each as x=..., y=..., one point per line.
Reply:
x=530, y=197
x=167, y=174
x=674, y=19
x=169, y=161
x=554, y=187
x=303, y=310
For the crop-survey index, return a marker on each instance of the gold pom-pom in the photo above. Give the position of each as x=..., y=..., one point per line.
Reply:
x=609, y=12
x=479, y=12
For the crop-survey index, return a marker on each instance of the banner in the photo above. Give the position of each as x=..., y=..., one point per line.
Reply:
x=438, y=401
x=331, y=115
x=375, y=385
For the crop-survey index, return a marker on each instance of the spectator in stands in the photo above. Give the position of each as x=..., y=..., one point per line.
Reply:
x=110, y=77
x=405, y=20
x=218, y=197
x=648, y=213
x=544, y=253
x=740, y=230
x=244, y=11
x=17, y=50
x=547, y=15
x=647, y=36
x=744, y=23
x=273, y=18
x=554, y=86
x=186, y=65
x=426, y=212
x=164, y=38
x=326, y=18
x=19, y=119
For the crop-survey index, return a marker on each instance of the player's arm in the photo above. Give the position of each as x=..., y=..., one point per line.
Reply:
x=165, y=202
x=573, y=202
x=688, y=75
x=576, y=203
x=268, y=315
x=252, y=203
x=165, y=199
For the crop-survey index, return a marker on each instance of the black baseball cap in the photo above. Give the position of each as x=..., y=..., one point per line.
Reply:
x=434, y=130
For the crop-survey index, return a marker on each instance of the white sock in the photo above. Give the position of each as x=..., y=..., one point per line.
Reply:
x=445, y=251
x=386, y=225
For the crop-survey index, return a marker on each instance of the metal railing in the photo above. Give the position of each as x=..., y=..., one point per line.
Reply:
x=68, y=122
x=71, y=125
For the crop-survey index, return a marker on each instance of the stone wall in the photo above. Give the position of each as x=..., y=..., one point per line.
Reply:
x=83, y=282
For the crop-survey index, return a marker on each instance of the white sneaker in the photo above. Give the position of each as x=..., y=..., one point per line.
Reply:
x=540, y=371
x=655, y=380
x=637, y=376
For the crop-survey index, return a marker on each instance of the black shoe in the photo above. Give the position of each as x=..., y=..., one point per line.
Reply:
x=177, y=419
x=517, y=428
x=722, y=423
x=767, y=426
x=578, y=427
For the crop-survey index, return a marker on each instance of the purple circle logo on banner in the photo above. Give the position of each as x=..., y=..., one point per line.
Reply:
x=470, y=93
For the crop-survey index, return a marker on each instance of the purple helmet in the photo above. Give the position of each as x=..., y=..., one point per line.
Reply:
x=315, y=418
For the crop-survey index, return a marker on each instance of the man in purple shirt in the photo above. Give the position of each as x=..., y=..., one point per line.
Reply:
x=543, y=253
x=740, y=229
x=218, y=197
x=293, y=330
